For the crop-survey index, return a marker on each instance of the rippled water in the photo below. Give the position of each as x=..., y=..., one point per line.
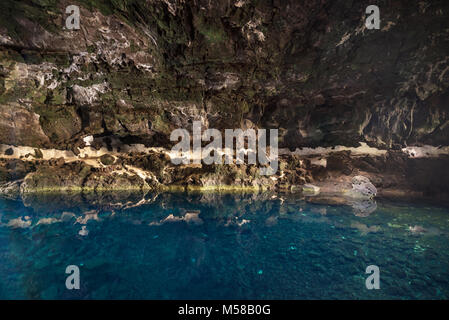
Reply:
x=211, y=246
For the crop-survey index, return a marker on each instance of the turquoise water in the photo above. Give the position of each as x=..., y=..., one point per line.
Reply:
x=211, y=246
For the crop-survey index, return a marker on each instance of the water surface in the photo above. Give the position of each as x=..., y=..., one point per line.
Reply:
x=212, y=246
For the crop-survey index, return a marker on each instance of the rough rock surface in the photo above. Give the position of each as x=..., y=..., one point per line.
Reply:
x=363, y=187
x=393, y=173
x=138, y=69
x=10, y=190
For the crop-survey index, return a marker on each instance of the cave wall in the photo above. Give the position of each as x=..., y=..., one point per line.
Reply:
x=139, y=69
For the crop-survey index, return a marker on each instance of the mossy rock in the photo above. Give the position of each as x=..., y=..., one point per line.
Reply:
x=107, y=159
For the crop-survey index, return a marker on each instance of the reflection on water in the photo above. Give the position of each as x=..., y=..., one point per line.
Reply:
x=229, y=246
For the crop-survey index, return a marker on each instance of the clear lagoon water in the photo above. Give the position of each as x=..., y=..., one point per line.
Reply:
x=220, y=246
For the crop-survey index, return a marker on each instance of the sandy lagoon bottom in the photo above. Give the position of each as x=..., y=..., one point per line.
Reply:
x=220, y=246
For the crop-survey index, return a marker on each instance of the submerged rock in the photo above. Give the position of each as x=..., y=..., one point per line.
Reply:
x=83, y=232
x=417, y=229
x=19, y=222
x=364, y=229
